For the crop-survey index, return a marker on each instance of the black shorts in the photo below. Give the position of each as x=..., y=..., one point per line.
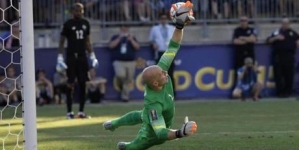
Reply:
x=77, y=69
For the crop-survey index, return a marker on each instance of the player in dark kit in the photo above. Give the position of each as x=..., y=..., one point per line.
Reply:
x=77, y=33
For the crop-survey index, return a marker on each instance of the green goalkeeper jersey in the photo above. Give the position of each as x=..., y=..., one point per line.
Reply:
x=158, y=112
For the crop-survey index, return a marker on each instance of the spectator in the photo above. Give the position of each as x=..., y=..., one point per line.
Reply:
x=44, y=88
x=11, y=10
x=91, y=7
x=157, y=7
x=284, y=42
x=3, y=91
x=115, y=10
x=12, y=85
x=203, y=6
x=60, y=85
x=95, y=87
x=2, y=77
x=244, y=38
x=289, y=8
x=245, y=7
x=41, y=9
x=247, y=84
x=143, y=9
x=13, y=42
x=124, y=46
x=125, y=7
x=160, y=36
x=3, y=95
x=216, y=4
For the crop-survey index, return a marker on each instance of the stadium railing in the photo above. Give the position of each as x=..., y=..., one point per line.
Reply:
x=115, y=12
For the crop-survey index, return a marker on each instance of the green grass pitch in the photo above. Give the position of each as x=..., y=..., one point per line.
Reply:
x=222, y=125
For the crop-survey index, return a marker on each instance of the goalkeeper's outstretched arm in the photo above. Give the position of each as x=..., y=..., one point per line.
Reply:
x=177, y=36
x=173, y=47
x=182, y=18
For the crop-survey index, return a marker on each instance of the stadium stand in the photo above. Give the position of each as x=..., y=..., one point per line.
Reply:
x=215, y=18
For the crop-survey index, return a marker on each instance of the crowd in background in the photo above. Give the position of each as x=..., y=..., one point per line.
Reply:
x=54, y=12
x=149, y=10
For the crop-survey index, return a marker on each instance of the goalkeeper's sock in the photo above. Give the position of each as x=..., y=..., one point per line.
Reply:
x=69, y=99
x=82, y=96
x=131, y=118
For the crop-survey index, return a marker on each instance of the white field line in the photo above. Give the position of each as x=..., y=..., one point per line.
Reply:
x=204, y=133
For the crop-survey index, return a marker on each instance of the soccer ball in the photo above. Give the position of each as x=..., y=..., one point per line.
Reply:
x=175, y=7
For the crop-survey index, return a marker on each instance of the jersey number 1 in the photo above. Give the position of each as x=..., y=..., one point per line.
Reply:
x=79, y=34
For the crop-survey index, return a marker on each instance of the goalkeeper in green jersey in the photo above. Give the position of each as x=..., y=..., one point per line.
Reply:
x=157, y=116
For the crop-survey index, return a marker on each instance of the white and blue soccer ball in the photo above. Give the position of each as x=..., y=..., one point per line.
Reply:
x=173, y=9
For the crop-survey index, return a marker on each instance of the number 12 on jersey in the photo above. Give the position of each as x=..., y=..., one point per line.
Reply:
x=79, y=34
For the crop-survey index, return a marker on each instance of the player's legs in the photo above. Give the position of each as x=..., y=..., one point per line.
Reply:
x=70, y=62
x=82, y=75
x=143, y=141
x=278, y=76
x=288, y=73
x=138, y=144
x=131, y=118
x=128, y=84
x=256, y=90
x=120, y=74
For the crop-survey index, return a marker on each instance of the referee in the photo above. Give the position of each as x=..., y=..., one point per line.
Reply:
x=77, y=33
x=284, y=42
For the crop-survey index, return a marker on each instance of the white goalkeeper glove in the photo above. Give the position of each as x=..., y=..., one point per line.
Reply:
x=188, y=128
x=182, y=15
x=60, y=66
x=94, y=60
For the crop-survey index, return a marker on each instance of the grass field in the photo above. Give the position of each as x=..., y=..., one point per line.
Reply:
x=226, y=125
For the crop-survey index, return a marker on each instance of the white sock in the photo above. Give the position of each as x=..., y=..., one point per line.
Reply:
x=81, y=113
x=70, y=113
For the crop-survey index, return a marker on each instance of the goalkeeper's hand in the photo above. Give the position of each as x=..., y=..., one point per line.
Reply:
x=60, y=66
x=182, y=15
x=188, y=128
x=94, y=60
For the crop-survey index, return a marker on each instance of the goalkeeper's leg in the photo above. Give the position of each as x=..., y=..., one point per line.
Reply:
x=141, y=142
x=70, y=62
x=131, y=118
x=82, y=76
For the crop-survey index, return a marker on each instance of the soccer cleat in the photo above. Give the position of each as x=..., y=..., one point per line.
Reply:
x=108, y=126
x=121, y=145
x=82, y=115
x=70, y=115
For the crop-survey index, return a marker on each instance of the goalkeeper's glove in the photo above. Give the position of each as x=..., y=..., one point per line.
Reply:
x=182, y=15
x=60, y=66
x=188, y=128
x=94, y=60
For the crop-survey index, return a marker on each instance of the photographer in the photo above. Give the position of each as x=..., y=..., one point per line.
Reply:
x=247, y=84
x=123, y=48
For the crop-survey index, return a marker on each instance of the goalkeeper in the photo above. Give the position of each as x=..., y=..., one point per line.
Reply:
x=157, y=115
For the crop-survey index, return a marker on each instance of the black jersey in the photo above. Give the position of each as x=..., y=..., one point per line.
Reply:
x=76, y=32
x=287, y=46
x=238, y=32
